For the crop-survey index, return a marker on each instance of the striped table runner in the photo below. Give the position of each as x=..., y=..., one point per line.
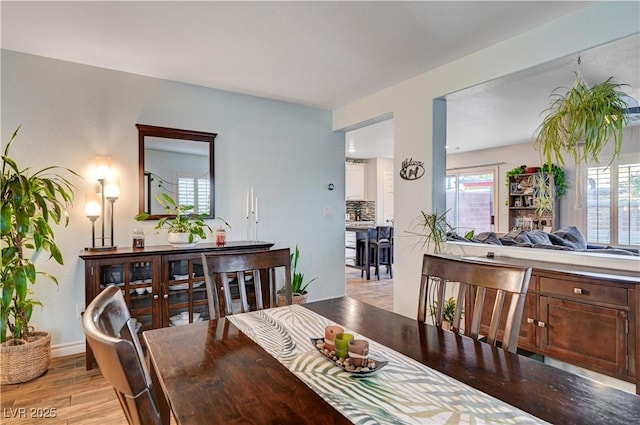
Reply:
x=404, y=392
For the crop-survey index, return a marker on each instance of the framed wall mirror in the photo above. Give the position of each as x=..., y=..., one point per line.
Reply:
x=178, y=163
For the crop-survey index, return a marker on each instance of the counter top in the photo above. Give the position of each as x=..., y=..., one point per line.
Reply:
x=365, y=224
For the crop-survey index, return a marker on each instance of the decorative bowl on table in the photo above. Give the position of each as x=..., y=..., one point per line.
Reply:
x=372, y=367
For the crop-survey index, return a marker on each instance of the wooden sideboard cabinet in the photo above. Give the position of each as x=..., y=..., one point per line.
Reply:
x=162, y=285
x=585, y=316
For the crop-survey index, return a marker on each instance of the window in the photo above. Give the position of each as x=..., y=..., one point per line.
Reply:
x=471, y=199
x=613, y=205
x=194, y=191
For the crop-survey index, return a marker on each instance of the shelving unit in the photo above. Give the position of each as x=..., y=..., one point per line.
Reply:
x=525, y=196
x=158, y=282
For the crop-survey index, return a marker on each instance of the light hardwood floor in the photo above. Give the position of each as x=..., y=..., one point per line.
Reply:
x=375, y=292
x=84, y=398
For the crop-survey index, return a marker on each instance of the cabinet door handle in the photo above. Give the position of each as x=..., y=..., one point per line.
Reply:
x=541, y=324
x=577, y=291
x=165, y=296
x=155, y=297
x=530, y=320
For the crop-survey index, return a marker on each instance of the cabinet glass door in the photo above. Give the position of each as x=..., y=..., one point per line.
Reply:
x=186, y=293
x=141, y=295
x=135, y=280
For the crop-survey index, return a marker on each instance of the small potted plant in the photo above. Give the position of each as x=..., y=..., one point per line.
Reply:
x=31, y=202
x=298, y=285
x=448, y=311
x=433, y=228
x=185, y=229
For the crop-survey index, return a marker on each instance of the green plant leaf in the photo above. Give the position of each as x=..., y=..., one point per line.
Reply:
x=581, y=122
x=30, y=202
x=298, y=285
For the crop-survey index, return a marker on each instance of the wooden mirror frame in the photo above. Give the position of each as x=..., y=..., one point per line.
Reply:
x=172, y=133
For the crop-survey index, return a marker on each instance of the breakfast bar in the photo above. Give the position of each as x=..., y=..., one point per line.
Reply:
x=364, y=232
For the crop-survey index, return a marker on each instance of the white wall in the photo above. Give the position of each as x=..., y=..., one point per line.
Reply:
x=382, y=165
x=288, y=153
x=410, y=102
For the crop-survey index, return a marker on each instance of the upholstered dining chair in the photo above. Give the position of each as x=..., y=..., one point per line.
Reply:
x=116, y=347
x=240, y=278
x=476, y=277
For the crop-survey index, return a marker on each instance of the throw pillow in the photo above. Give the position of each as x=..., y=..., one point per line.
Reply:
x=488, y=238
x=573, y=236
x=538, y=237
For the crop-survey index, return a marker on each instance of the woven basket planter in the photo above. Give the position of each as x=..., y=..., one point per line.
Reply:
x=23, y=360
x=297, y=299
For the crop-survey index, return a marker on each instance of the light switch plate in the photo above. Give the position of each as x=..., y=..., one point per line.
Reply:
x=327, y=212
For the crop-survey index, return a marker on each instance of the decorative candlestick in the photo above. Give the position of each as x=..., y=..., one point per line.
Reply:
x=251, y=215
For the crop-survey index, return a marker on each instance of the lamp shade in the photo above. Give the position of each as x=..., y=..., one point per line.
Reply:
x=112, y=187
x=103, y=167
x=92, y=205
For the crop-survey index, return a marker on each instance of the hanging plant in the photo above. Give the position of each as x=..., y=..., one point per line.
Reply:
x=544, y=200
x=559, y=179
x=582, y=122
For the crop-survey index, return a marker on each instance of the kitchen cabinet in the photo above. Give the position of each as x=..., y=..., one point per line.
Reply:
x=585, y=316
x=355, y=179
x=162, y=285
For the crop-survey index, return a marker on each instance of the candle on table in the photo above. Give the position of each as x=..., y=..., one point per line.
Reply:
x=251, y=197
x=330, y=333
x=342, y=344
x=358, y=352
x=246, y=210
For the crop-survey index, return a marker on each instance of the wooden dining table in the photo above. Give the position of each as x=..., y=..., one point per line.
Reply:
x=212, y=372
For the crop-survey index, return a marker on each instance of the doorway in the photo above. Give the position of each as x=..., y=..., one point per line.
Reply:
x=369, y=201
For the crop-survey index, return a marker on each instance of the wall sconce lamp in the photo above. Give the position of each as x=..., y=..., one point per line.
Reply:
x=109, y=190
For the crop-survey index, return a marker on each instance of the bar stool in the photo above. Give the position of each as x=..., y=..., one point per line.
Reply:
x=380, y=250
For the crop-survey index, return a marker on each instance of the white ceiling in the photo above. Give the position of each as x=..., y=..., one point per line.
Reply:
x=516, y=104
x=320, y=54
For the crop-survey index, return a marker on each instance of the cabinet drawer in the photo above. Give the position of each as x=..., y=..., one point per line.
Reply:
x=585, y=291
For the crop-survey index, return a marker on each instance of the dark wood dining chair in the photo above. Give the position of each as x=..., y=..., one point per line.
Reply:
x=116, y=347
x=476, y=277
x=240, y=278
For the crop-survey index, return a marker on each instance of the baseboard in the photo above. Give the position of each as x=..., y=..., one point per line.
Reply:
x=67, y=349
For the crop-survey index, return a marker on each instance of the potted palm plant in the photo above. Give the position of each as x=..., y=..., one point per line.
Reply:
x=31, y=202
x=185, y=229
x=433, y=228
